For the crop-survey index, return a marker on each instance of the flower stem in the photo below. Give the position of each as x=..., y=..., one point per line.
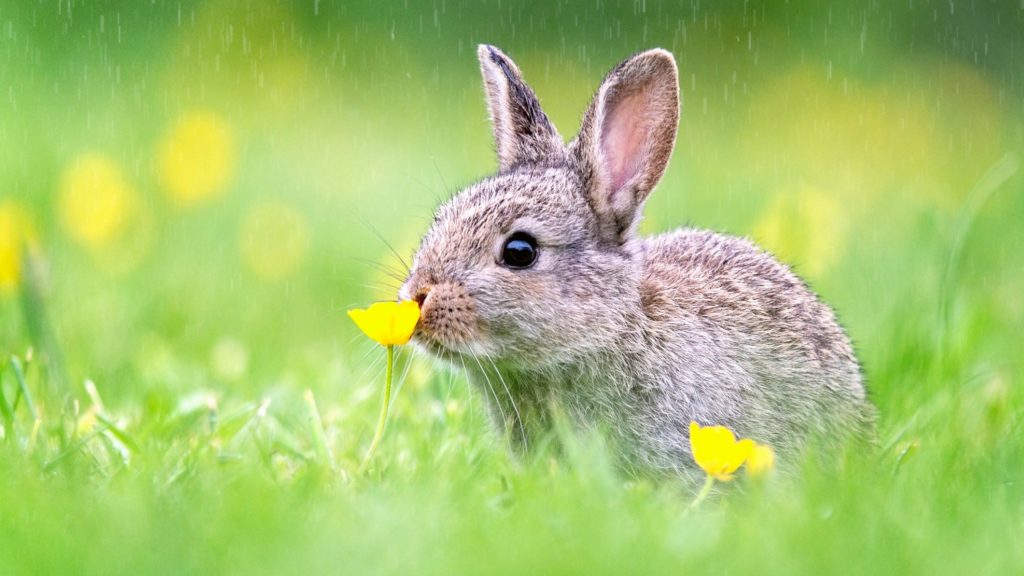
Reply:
x=384, y=409
x=704, y=491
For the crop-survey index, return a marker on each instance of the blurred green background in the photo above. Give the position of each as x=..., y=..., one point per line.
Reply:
x=202, y=188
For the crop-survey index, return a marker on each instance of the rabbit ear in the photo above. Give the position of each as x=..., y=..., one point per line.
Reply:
x=522, y=131
x=627, y=137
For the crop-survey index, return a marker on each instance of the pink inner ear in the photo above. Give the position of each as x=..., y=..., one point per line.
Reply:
x=623, y=138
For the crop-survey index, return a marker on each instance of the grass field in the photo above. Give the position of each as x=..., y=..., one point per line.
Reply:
x=192, y=194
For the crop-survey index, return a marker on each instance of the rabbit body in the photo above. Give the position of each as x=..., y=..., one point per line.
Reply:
x=636, y=337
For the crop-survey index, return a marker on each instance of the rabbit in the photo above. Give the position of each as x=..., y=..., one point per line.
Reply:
x=535, y=282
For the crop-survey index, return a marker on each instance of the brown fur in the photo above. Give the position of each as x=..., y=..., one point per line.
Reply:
x=634, y=336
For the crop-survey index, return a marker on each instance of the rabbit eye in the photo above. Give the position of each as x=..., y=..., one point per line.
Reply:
x=519, y=251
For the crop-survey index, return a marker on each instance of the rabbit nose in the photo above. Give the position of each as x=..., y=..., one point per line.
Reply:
x=421, y=296
x=447, y=312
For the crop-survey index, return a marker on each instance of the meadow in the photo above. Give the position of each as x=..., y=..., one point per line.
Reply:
x=192, y=194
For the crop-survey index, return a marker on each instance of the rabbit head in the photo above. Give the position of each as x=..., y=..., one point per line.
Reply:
x=538, y=263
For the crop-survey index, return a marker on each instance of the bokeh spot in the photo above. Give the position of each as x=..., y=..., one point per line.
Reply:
x=96, y=200
x=806, y=228
x=16, y=236
x=196, y=158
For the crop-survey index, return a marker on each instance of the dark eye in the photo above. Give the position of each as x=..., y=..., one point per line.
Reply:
x=519, y=251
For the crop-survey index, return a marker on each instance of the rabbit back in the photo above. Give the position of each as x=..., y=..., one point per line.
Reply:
x=742, y=341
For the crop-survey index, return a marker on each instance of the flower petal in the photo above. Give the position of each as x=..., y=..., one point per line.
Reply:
x=388, y=323
x=761, y=460
x=738, y=453
x=406, y=316
x=716, y=450
x=365, y=323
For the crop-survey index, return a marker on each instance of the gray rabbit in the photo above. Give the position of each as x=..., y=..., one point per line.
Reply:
x=535, y=282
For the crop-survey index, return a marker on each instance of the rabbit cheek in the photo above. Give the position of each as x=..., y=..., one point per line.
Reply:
x=448, y=314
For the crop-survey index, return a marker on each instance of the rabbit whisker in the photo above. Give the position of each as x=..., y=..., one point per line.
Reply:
x=497, y=402
x=390, y=270
x=519, y=417
x=469, y=388
x=372, y=367
x=386, y=243
x=405, y=374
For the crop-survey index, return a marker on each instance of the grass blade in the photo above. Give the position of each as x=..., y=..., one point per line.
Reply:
x=74, y=448
x=120, y=434
x=19, y=375
x=40, y=329
x=323, y=453
x=5, y=408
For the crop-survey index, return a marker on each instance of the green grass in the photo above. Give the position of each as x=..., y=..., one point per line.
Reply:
x=169, y=408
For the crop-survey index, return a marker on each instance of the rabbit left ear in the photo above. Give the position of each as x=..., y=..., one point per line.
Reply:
x=522, y=132
x=627, y=138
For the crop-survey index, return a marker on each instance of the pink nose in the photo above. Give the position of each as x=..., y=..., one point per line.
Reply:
x=447, y=312
x=421, y=296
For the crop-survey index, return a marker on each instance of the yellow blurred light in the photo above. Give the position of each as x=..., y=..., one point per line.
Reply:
x=96, y=201
x=196, y=158
x=807, y=229
x=874, y=140
x=274, y=240
x=16, y=236
x=276, y=86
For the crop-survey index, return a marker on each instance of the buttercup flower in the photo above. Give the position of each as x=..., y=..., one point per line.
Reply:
x=761, y=460
x=716, y=450
x=388, y=323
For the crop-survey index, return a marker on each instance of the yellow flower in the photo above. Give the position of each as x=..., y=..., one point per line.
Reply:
x=716, y=450
x=196, y=159
x=15, y=236
x=388, y=323
x=96, y=201
x=761, y=460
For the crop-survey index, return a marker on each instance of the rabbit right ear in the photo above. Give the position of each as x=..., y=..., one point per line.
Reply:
x=522, y=132
x=627, y=138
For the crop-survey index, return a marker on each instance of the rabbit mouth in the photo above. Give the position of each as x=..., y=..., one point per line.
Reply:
x=434, y=346
x=449, y=351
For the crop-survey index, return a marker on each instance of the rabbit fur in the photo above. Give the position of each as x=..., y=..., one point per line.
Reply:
x=633, y=336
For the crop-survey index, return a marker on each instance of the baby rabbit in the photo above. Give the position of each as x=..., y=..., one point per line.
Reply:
x=535, y=282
